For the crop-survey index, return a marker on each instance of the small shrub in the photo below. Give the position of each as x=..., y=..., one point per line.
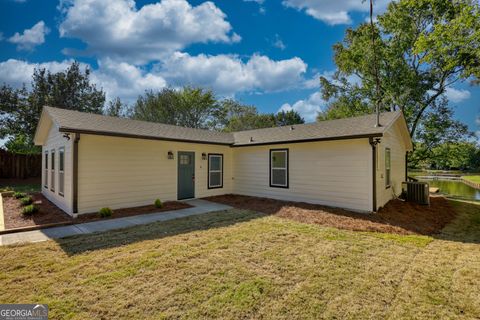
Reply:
x=158, y=203
x=29, y=210
x=26, y=201
x=105, y=212
x=19, y=195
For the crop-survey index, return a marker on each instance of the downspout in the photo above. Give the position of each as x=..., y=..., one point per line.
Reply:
x=373, y=142
x=75, y=173
x=406, y=166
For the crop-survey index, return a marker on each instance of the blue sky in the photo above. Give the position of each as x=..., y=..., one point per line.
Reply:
x=268, y=53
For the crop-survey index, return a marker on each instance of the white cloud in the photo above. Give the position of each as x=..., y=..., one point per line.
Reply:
x=116, y=28
x=117, y=79
x=30, y=37
x=278, y=43
x=307, y=108
x=457, y=95
x=17, y=72
x=260, y=3
x=228, y=74
x=334, y=12
x=125, y=80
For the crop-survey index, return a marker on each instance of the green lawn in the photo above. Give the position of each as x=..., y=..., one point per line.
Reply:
x=240, y=264
x=8, y=185
x=475, y=179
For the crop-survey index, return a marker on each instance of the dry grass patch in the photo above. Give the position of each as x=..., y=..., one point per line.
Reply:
x=240, y=264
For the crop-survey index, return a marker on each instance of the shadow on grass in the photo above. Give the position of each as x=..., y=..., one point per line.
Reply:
x=28, y=185
x=466, y=226
x=444, y=219
x=157, y=230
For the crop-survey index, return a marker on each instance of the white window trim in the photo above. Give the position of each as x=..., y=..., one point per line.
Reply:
x=286, y=168
x=210, y=171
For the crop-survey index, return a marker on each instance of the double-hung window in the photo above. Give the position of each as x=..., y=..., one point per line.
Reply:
x=279, y=168
x=45, y=174
x=52, y=170
x=215, y=170
x=61, y=172
x=387, y=167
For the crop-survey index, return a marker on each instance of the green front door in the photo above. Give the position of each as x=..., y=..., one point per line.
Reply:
x=186, y=175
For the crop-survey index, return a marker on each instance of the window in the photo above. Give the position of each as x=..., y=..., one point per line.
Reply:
x=215, y=171
x=387, y=167
x=45, y=175
x=184, y=159
x=61, y=172
x=279, y=168
x=52, y=171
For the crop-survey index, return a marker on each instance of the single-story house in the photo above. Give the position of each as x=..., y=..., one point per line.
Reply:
x=92, y=161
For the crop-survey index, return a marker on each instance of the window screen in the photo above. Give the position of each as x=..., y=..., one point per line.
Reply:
x=279, y=168
x=52, y=171
x=387, y=167
x=215, y=171
x=61, y=171
x=45, y=174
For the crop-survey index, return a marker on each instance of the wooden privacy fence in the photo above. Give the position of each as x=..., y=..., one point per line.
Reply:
x=20, y=166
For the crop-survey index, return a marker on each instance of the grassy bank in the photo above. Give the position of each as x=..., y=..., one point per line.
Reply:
x=473, y=178
x=240, y=264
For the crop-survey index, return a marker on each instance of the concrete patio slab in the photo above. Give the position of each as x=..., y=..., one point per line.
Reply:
x=199, y=207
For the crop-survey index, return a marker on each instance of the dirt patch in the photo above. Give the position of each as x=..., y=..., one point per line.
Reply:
x=49, y=213
x=396, y=217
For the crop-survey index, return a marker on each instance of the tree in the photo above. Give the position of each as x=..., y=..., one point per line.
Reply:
x=196, y=107
x=189, y=107
x=230, y=109
x=116, y=108
x=20, y=109
x=158, y=106
x=447, y=156
x=422, y=47
x=288, y=118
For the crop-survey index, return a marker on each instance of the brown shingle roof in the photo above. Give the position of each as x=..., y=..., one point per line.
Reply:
x=74, y=121
x=325, y=130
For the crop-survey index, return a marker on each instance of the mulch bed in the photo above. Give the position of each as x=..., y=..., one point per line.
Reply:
x=396, y=217
x=49, y=213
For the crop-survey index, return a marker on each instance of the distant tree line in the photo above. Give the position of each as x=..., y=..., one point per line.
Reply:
x=20, y=108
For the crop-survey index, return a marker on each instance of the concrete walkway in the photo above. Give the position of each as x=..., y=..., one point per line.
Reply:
x=199, y=207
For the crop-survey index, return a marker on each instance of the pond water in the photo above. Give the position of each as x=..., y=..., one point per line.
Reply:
x=454, y=188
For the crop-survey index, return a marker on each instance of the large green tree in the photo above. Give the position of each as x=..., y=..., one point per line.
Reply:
x=187, y=107
x=20, y=109
x=198, y=108
x=422, y=47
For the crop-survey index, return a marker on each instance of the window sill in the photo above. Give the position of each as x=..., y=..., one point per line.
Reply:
x=215, y=187
x=276, y=186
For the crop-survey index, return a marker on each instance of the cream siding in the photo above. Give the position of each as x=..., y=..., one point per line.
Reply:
x=392, y=139
x=55, y=140
x=124, y=172
x=334, y=173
